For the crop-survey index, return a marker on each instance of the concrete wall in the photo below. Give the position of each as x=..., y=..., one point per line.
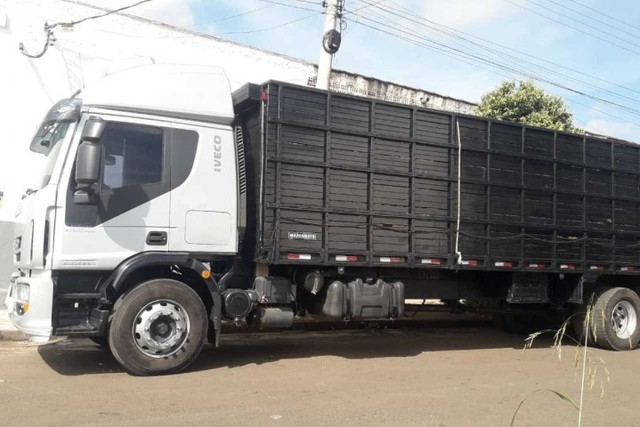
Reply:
x=356, y=84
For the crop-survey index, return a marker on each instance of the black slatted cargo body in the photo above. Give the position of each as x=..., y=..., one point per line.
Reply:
x=343, y=180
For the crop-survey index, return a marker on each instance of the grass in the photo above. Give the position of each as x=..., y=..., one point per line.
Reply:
x=589, y=369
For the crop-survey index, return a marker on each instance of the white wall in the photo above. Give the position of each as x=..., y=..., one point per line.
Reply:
x=28, y=87
x=81, y=54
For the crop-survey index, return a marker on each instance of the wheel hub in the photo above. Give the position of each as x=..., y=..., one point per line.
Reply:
x=624, y=319
x=161, y=328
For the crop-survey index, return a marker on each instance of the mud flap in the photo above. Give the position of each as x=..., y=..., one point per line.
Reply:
x=216, y=312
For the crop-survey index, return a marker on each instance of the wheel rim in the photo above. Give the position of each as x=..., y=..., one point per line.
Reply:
x=624, y=319
x=161, y=328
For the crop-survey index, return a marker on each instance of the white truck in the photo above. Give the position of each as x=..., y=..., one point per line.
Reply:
x=169, y=206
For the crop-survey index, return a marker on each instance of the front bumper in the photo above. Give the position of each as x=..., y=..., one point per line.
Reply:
x=36, y=320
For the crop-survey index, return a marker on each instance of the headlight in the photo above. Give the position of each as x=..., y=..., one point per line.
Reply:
x=21, y=295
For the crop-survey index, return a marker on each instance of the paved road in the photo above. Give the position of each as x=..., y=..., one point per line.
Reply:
x=442, y=376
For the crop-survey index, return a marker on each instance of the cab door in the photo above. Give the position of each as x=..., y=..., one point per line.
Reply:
x=204, y=194
x=130, y=212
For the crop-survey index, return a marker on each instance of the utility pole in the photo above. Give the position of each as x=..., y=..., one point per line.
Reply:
x=330, y=42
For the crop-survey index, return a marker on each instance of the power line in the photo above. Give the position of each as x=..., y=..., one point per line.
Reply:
x=72, y=23
x=511, y=58
x=275, y=27
x=573, y=27
x=226, y=18
x=515, y=61
x=271, y=3
x=416, y=43
x=604, y=14
x=199, y=34
x=494, y=63
x=289, y=5
x=507, y=73
x=368, y=5
x=48, y=29
x=454, y=32
x=594, y=19
x=442, y=46
x=543, y=79
x=476, y=65
x=584, y=23
x=456, y=56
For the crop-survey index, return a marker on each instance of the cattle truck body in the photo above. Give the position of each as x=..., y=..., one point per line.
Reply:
x=171, y=206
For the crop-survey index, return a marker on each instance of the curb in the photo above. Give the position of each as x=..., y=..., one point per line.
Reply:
x=8, y=335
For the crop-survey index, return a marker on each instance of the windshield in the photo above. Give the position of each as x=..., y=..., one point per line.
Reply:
x=57, y=133
x=55, y=124
x=48, y=137
x=51, y=133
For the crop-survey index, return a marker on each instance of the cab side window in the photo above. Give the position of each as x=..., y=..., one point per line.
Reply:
x=133, y=155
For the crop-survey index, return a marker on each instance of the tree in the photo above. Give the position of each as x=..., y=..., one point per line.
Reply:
x=528, y=104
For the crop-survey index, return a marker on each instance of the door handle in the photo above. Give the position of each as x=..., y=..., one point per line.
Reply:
x=157, y=238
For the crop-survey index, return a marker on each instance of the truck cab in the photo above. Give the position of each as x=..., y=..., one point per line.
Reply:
x=142, y=162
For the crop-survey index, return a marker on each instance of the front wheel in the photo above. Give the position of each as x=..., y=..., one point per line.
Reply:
x=159, y=327
x=614, y=319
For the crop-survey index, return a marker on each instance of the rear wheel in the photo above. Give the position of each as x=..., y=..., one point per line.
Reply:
x=614, y=319
x=159, y=327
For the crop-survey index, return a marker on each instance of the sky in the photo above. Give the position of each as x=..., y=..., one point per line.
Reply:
x=586, y=51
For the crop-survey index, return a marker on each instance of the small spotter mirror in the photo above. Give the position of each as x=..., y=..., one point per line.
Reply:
x=93, y=129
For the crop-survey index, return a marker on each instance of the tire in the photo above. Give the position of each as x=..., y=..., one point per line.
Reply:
x=615, y=319
x=101, y=341
x=159, y=327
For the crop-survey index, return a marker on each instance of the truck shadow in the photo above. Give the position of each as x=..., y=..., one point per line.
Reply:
x=83, y=357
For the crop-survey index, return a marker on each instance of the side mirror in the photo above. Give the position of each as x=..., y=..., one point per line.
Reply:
x=93, y=129
x=88, y=160
x=88, y=164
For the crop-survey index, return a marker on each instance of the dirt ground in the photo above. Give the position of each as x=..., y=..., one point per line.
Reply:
x=455, y=373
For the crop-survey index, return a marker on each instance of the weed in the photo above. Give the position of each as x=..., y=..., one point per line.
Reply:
x=592, y=370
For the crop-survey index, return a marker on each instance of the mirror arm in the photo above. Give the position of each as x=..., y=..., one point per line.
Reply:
x=85, y=196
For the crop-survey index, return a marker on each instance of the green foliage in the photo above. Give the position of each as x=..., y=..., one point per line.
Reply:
x=528, y=104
